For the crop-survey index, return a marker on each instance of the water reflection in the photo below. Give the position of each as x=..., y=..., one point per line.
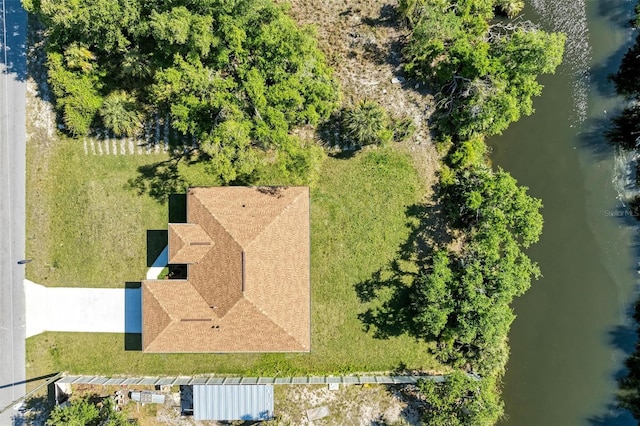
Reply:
x=570, y=18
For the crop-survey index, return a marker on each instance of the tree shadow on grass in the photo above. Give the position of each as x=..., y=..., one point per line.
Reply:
x=393, y=316
x=388, y=292
x=159, y=180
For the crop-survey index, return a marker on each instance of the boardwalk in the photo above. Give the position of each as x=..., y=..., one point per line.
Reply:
x=319, y=380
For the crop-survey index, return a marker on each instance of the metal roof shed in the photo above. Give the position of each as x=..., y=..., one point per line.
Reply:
x=232, y=402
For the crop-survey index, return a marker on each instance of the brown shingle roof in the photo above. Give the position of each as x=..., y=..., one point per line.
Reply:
x=188, y=243
x=248, y=290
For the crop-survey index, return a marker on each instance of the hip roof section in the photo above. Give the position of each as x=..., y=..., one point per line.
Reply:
x=248, y=284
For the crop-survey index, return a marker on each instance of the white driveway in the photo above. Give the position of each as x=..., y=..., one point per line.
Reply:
x=105, y=310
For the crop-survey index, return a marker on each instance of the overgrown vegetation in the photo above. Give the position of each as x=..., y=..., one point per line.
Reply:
x=367, y=123
x=463, y=298
x=236, y=76
x=87, y=411
x=484, y=73
x=483, y=70
x=460, y=400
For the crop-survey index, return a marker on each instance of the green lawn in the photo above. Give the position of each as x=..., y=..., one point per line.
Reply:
x=86, y=227
x=97, y=237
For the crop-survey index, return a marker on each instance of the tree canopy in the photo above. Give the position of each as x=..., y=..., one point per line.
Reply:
x=87, y=412
x=235, y=75
x=460, y=400
x=462, y=299
x=483, y=70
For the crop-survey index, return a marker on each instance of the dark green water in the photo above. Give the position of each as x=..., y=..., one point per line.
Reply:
x=573, y=330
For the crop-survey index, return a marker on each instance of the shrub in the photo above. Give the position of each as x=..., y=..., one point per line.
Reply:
x=366, y=124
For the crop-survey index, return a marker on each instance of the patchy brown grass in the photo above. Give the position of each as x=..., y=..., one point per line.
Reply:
x=350, y=405
x=362, y=41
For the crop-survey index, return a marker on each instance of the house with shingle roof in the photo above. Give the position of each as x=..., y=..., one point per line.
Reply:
x=247, y=288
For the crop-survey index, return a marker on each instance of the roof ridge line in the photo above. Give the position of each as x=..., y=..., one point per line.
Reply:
x=276, y=217
x=219, y=222
x=272, y=322
x=171, y=320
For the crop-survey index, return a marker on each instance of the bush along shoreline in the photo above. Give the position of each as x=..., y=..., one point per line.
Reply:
x=483, y=69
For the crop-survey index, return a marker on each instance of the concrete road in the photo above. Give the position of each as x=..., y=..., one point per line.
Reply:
x=13, y=69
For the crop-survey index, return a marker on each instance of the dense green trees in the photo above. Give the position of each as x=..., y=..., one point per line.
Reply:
x=483, y=71
x=236, y=76
x=460, y=400
x=462, y=299
x=86, y=412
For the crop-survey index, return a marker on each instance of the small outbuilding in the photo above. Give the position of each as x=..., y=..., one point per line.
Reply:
x=228, y=402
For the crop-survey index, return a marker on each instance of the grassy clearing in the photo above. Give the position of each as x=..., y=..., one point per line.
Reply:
x=86, y=227
x=98, y=238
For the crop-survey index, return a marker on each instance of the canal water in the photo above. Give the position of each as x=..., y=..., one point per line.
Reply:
x=573, y=328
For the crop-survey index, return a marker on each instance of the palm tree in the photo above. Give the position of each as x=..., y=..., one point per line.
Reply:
x=135, y=66
x=366, y=124
x=79, y=57
x=120, y=113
